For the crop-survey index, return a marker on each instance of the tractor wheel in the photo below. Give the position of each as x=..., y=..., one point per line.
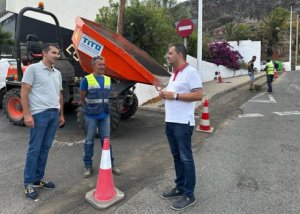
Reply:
x=129, y=110
x=80, y=118
x=12, y=107
x=2, y=92
x=114, y=117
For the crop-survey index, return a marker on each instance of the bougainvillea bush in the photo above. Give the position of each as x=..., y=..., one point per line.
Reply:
x=221, y=54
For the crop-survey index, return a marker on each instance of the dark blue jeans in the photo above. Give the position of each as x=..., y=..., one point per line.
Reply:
x=91, y=126
x=180, y=142
x=269, y=82
x=41, y=138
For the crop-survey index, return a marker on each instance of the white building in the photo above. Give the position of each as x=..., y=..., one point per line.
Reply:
x=65, y=10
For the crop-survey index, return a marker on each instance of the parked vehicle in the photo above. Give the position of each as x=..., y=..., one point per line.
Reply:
x=125, y=63
x=25, y=52
x=4, y=67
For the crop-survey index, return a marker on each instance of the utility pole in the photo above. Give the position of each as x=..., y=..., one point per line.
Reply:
x=290, y=48
x=296, y=52
x=121, y=15
x=199, y=40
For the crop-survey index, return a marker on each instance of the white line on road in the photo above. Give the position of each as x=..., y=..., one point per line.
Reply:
x=270, y=100
x=57, y=143
x=250, y=115
x=286, y=113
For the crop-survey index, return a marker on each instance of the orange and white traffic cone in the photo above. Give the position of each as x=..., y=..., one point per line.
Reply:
x=105, y=193
x=283, y=69
x=275, y=74
x=220, y=79
x=204, y=125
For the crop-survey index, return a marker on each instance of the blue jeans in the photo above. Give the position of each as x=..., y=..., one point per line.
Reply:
x=180, y=142
x=41, y=138
x=269, y=82
x=91, y=125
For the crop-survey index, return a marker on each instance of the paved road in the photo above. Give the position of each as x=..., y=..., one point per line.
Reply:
x=251, y=165
x=142, y=153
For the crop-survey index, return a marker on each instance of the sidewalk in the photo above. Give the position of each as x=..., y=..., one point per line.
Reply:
x=212, y=89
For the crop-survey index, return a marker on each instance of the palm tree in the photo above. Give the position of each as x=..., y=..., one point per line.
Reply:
x=236, y=32
x=272, y=31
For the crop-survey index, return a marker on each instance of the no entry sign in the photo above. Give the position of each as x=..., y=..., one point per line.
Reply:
x=185, y=28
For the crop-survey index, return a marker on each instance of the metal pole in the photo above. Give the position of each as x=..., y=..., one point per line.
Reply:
x=199, y=49
x=290, y=49
x=185, y=42
x=296, y=53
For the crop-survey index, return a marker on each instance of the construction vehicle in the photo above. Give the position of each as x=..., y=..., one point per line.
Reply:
x=27, y=50
x=125, y=64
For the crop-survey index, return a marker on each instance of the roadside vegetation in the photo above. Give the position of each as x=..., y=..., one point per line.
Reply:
x=150, y=24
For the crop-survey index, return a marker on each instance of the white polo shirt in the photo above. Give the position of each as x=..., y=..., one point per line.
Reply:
x=46, y=85
x=178, y=111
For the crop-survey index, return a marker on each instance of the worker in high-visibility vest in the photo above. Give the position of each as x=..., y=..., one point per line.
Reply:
x=270, y=74
x=94, y=95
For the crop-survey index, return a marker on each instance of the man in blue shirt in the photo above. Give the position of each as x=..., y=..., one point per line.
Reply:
x=94, y=95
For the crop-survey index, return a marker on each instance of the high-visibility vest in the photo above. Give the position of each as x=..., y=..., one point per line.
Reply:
x=97, y=99
x=270, y=70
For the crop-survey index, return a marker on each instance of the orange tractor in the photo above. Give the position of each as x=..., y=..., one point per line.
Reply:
x=125, y=64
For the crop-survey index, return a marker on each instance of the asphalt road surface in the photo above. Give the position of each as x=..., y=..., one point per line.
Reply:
x=242, y=165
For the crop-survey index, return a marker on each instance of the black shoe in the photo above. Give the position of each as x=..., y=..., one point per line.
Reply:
x=183, y=203
x=30, y=192
x=171, y=194
x=44, y=184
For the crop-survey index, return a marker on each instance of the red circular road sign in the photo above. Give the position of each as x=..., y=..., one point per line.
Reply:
x=185, y=28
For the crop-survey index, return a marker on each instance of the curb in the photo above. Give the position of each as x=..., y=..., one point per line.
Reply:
x=199, y=103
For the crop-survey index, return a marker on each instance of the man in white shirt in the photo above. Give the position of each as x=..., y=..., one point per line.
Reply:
x=184, y=88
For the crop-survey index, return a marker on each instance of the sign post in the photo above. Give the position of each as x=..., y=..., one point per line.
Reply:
x=184, y=29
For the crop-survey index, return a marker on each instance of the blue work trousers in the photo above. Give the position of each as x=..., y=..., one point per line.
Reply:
x=91, y=126
x=269, y=82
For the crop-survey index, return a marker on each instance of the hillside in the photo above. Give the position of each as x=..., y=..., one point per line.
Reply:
x=219, y=12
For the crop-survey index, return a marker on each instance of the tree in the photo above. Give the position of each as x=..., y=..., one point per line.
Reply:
x=236, y=32
x=5, y=37
x=272, y=31
x=147, y=25
x=222, y=54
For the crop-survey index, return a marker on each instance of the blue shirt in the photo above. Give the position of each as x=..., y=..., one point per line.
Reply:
x=84, y=87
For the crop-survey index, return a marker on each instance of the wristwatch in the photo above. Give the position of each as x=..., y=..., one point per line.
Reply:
x=175, y=95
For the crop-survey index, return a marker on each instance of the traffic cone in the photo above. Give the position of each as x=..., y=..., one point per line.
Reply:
x=220, y=80
x=275, y=74
x=283, y=69
x=204, y=125
x=105, y=193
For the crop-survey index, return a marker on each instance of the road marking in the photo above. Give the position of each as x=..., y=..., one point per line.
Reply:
x=270, y=100
x=57, y=143
x=286, y=113
x=250, y=115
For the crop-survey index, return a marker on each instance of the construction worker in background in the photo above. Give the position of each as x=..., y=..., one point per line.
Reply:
x=94, y=95
x=270, y=74
x=250, y=66
x=184, y=88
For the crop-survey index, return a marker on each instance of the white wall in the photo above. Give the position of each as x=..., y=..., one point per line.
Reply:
x=247, y=49
x=65, y=10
